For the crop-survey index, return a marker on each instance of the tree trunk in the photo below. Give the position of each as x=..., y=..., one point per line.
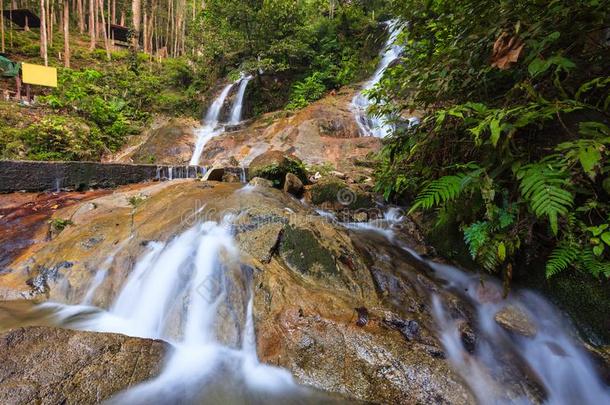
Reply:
x=2, y=23
x=67, y=33
x=136, y=9
x=49, y=24
x=43, y=33
x=145, y=31
x=103, y=25
x=81, y=16
x=92, y=24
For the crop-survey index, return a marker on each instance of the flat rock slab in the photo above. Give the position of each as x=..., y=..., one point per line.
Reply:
x=46, y=365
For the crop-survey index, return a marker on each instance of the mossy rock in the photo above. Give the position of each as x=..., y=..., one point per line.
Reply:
x=274, y=166
x=302, y=251
x=336, y=192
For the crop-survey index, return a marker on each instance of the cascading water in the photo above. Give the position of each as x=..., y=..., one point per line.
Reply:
x=210, y=128
x=211, y=124
x=558, y=368
x=190, y=291
x=378, y=126
x=239, y=101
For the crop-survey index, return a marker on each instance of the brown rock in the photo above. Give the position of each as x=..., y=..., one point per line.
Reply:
x=293, y=185
x=230, y=178
x=275, y=165
x=45, y=365
x=260, y=182
x=513, y=319
x=214, y=174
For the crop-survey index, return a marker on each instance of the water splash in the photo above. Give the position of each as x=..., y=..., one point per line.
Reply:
x=553, y=356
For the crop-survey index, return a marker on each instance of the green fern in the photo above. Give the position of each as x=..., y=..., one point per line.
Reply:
x=488, y=256
x=592, y=264
x=542, y=186
x=476, y=236
x=563, y=256
x=444, y=189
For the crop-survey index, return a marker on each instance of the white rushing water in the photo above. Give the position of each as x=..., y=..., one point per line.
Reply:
x=210, y=127
x=553, y=356
x=211, y=123
x=236, y=110
x=187, y=291
x=378, y=126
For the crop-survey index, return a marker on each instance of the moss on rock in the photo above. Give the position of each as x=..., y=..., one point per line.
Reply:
x=274, y=166
x=302, y=251
x=336, y=192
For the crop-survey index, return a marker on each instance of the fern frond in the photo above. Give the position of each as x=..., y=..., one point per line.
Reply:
x=563, y=256
x=488, y=257
x=476, y=236
x=594, y=265
x=542, y=186
x=444, y=189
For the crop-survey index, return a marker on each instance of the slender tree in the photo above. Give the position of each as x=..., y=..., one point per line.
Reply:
x=103, y=25
x=136, y=10
x=81, y=16
x=92, y=24
x=43, y=33
x=66, y=33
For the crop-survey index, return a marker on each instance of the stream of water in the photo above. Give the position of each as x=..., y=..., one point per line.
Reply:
x=378, y=126
x=193, y=292
x=212, y=126
x=552, y=356
x=187, y=292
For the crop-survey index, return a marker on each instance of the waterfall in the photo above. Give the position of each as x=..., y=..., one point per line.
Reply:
x=210, y=128
x=239, y=101
x=378, y=126
x=211, y=124
x=176, y=292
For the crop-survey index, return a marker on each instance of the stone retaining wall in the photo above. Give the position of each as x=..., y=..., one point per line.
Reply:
x=40, y=176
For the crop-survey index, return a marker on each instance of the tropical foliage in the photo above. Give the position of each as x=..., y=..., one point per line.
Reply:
x=513, y=144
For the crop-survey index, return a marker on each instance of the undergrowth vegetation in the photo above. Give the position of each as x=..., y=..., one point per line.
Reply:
x=513, y=147
x=303, y=43
x=97, y=105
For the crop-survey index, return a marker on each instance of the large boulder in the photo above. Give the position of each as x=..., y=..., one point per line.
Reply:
x=275, y=165
x=45, y=365
x=333, y=193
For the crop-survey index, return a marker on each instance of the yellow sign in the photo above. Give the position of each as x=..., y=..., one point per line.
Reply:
x=40, y=75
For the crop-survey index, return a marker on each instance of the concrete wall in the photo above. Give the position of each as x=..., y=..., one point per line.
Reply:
x=39, y=176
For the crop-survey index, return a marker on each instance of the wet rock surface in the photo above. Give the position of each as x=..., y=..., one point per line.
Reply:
x=310, y=276
x=58, y=366
x=169, y=141
x=515, y=320
x=324, y=133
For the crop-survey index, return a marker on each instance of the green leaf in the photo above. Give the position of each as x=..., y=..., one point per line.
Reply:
x=501, y=251
x=589, y=157
x=598, y=250
x=606, y=238
x=496, y=130
x=537, y=66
